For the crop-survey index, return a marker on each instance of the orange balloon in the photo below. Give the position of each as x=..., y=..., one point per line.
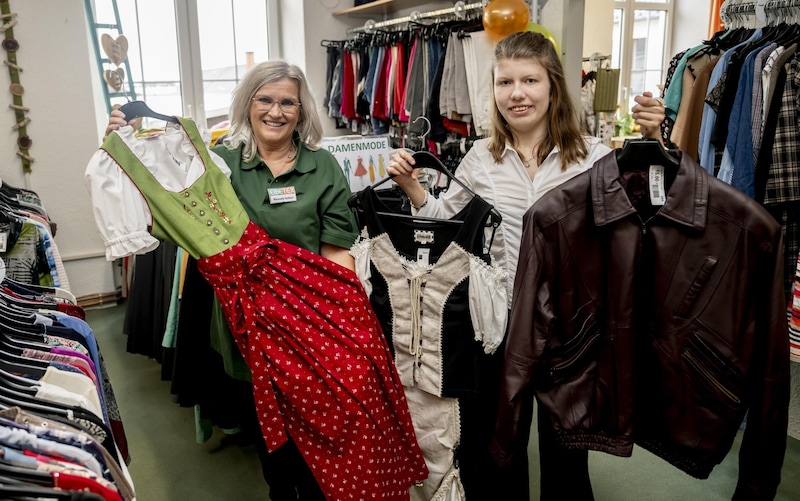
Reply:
x=504, y=17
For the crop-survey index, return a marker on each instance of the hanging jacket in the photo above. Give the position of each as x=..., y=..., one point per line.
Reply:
x=659, y=325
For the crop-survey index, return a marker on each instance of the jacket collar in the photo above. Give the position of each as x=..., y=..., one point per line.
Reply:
x=687, y=199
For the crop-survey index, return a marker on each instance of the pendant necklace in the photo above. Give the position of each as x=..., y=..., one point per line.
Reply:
x=287, y=163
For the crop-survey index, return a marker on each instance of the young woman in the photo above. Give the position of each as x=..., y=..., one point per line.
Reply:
x=535, y=145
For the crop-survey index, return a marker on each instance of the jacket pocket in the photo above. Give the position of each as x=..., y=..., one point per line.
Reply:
x=697, y=286
x=570, y=358
x=719, y=379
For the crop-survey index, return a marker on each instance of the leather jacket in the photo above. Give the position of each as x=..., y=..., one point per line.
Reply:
x=659, y=325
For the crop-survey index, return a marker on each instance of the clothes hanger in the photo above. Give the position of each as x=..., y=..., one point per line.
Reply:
x=136, y=109
x=33, y=290
x=22, y=326
x=424, y=159
x=16, y=364
x=639, y=154
x=17, y=383
x=26, y=492
x=25, y=304
x=19, y=473
x=427, y=160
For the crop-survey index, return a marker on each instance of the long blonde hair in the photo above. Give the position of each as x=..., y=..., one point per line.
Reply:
x=309, y=126
x=563, y=128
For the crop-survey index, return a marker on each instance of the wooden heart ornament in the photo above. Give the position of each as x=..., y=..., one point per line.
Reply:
x=114, y=78
x=115, y=49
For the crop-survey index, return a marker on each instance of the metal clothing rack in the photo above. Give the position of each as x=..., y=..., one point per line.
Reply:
x=735, y=12
x=458, y=11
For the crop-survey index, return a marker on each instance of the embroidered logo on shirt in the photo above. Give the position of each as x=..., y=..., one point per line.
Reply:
x=423, y=236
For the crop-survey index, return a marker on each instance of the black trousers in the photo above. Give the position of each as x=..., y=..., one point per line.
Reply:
x=564, y=472
x=286, y=472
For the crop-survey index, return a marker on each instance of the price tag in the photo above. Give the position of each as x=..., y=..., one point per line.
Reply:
x=658, y=196
x=424, y=256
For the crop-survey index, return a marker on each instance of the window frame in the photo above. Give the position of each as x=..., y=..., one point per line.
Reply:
x=626, y=50
x=190, y=71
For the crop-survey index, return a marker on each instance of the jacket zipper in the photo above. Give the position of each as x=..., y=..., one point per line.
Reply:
x=571, y=360
x=710, y=377
x=644, y=224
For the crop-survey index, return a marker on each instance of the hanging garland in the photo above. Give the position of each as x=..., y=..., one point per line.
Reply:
x=7, y=22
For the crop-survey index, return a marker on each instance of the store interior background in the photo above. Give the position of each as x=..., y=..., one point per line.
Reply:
x=68, y=114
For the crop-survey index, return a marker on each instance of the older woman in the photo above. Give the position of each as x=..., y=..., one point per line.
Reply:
x=295, y=191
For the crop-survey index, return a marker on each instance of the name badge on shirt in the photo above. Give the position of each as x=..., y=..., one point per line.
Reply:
x=3, y=241
x=282, y=195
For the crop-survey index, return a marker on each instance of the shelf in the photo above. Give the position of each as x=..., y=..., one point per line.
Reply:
x=380, y=7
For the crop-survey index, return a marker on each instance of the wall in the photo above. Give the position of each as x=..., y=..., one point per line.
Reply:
x=58, y=76
x=62, y=90
x=598, y=18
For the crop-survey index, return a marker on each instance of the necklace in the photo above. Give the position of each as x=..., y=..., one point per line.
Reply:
x=286, y=163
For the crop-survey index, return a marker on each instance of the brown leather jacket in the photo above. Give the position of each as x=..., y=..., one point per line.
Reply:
x=659, y=326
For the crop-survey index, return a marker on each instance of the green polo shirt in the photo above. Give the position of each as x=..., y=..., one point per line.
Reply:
x=319, y=215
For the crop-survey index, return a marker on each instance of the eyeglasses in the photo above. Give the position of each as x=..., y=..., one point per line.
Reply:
x=265, y=103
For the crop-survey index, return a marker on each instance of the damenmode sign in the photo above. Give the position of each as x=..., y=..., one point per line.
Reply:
x=363, y=159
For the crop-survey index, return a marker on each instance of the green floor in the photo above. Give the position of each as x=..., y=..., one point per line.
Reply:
x=168, y=465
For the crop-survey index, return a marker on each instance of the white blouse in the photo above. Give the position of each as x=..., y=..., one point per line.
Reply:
x=121, y=212
x=507, y=186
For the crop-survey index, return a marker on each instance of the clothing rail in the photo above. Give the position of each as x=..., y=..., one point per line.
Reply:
x=764, y=10
x=459, y=10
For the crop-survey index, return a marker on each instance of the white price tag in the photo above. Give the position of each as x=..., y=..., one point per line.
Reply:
x=658, y=196
x=424, y=256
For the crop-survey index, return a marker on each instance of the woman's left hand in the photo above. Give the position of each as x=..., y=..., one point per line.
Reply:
x=648, y=113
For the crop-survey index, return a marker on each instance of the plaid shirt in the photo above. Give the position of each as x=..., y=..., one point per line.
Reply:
x=782, y=197
x=783, y=184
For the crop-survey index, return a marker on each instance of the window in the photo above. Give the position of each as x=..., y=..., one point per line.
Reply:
x=641, y=38
x=186, y=56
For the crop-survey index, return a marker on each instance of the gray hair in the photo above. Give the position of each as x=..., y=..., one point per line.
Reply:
x=308, y=127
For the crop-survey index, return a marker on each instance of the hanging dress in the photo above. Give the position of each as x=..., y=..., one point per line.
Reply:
x=442, y=303
x=321, y=369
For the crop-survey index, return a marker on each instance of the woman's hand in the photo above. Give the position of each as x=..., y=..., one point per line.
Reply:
x=115, y=121
x=401, y=166
x=648, y=113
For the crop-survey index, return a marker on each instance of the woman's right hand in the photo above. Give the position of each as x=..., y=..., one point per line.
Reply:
x=401, y=166
x=116, y=121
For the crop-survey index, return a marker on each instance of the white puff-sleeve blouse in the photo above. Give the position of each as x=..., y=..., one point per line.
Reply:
x=122, y=214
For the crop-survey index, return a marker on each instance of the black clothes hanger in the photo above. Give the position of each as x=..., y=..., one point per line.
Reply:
x=16, y=364
x=17, y=383
x=639, y=154
x=427, y=160
x=22, y=474
x=136, y=109
x=12, y=301
x=28, y=492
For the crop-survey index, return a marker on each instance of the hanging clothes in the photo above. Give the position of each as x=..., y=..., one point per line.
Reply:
x=442, y=304
x=661, y=325
x=303, y=363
